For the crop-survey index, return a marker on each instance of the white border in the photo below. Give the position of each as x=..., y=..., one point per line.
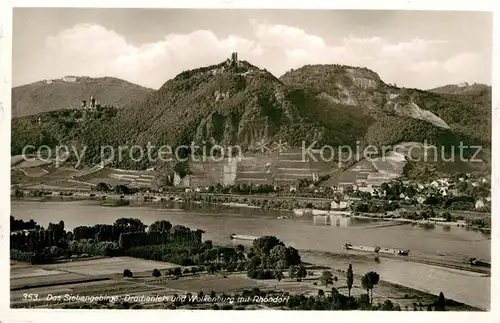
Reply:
x=18, y=316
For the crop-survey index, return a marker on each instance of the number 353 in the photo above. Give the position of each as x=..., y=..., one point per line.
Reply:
x=30, y=297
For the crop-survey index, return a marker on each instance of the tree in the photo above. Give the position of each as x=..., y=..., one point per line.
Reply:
x=156, y=273
x=102, y=187
x=326, y=278
x=441, y=302
x=301, y=272
x=131, y=225
x=160, y=226
x=350, y=279
x=207, y=244
x=127, y=273
x=387, y=305
x=368, y=281
x=278, y=253
x=278, y=274
x=122, y=189
x=293, y=257
x=263, y=245
x=211, y=269
x=292, y=271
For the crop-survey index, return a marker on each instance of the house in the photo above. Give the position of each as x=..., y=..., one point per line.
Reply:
x=315, y=178
x=293, y=189
x=420, y=199
x=339, y=205
x=434, y=184
x=366, y=189
x=479, y=203
x=182, y=181
x=443, y=191
x=70, y=79
x=402, y=195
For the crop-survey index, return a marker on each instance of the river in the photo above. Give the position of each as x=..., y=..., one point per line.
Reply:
x=307, y=232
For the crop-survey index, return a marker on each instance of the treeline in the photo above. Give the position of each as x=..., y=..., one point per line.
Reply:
x=42, y=245
x=374, y=207
x=17, y=224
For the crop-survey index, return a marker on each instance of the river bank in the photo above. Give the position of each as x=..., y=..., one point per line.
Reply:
x=432, y=245
x=298, y=205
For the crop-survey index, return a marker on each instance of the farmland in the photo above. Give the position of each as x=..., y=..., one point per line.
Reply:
x=80, y=283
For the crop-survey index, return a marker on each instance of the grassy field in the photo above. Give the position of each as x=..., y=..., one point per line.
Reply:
x=110, y=266
x=112, y=284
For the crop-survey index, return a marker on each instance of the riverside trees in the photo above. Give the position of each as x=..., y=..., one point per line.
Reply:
x=350, y=279
x=368, y=281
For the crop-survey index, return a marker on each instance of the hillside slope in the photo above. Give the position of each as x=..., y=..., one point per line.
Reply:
x=463, y=88
x=439, y=118
x=237, y=103
x=50, y=95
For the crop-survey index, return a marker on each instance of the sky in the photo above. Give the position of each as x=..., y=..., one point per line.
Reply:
x=419, y=49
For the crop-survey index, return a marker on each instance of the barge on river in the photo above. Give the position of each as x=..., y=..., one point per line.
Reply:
x=479, y=263
x=377, y=249
x=242, y=237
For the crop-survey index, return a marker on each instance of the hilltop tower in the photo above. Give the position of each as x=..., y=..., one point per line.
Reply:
x=84, y=104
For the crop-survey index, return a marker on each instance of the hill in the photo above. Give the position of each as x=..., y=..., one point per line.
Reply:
x=463, y=88
x=68, y=92
x=237, y=103
x=399, y=114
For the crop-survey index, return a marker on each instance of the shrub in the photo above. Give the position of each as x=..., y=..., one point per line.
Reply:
x=156, y=273
x=127, y=273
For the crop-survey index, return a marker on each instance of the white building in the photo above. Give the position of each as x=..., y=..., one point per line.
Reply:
x=479, y=203
x=69, y=78
x=339, y=205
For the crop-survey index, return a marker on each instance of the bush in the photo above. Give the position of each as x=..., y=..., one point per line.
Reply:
x=156, y=273
x=127, y=273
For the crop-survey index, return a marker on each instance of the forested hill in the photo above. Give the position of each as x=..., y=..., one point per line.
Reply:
x=235, y=102
x=67, y=93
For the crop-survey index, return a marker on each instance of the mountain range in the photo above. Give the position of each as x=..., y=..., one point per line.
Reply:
x=235, y=102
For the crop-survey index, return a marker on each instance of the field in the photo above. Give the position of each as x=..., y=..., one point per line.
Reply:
x=110, y=266
x=52, y=285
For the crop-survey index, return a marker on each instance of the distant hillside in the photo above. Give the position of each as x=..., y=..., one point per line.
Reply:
x=463, y=88
x=400, y=114
x=50, y=95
